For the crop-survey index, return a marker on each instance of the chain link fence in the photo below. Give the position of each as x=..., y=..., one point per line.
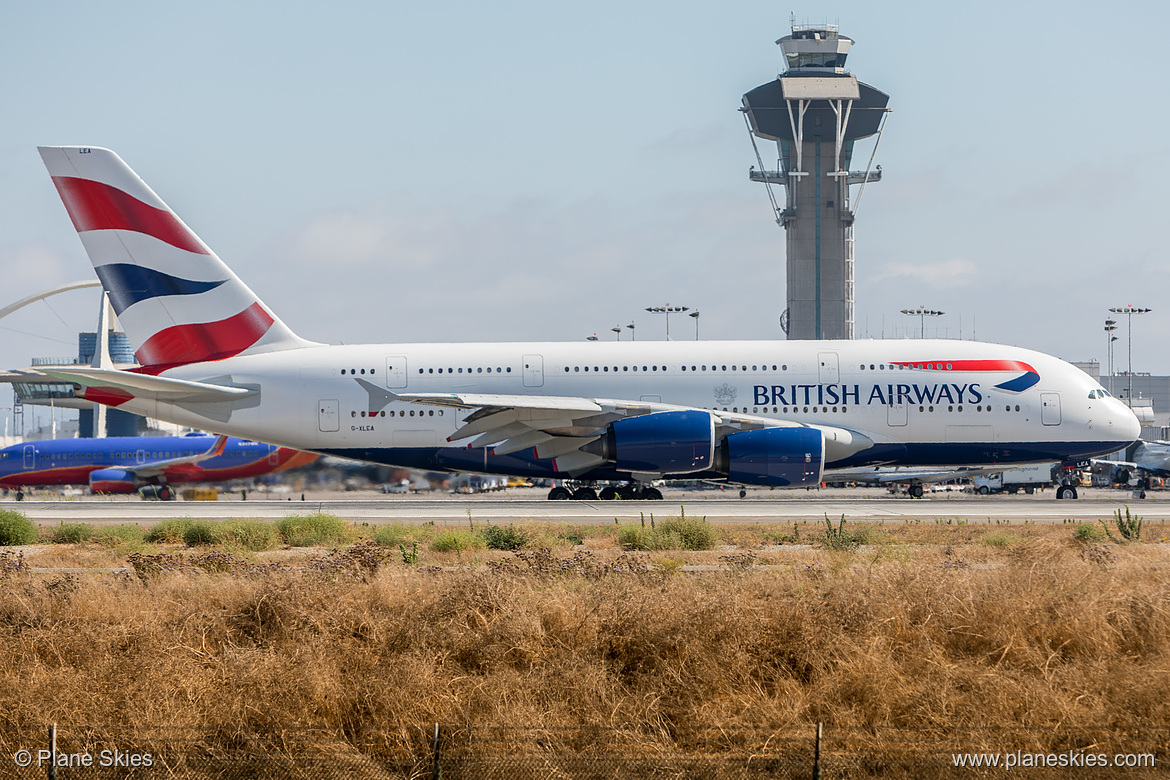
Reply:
x=486, y=753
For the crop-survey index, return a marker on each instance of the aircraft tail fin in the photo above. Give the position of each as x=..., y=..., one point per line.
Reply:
x=176, y=300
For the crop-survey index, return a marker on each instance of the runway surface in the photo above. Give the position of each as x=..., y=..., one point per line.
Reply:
x=529, y=505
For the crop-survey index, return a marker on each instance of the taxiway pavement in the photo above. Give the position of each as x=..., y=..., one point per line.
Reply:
x=529, y=505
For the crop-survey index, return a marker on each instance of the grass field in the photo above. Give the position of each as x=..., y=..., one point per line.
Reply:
x=939, y=632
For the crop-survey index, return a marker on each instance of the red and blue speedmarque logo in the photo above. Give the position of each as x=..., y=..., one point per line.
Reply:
x=1017, y=385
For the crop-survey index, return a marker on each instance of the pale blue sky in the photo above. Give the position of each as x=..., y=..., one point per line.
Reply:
x=519, y=170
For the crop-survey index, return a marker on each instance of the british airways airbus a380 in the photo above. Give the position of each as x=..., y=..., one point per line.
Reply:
x=213, y=356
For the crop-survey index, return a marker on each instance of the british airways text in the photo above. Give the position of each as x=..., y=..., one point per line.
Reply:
x=890, y=394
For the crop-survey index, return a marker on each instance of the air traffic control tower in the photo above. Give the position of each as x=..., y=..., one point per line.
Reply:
x=815, y=111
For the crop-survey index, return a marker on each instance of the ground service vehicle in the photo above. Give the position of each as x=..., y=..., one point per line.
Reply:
x=1026, y=478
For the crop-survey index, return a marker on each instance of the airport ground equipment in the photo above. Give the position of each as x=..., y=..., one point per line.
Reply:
x=1025, y=478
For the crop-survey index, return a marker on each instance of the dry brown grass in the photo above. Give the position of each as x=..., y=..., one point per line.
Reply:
x=944, y=639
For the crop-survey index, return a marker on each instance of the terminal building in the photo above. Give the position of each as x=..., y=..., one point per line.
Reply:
x=815, y=111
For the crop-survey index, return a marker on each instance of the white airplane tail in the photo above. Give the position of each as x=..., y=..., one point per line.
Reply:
x=177, y=302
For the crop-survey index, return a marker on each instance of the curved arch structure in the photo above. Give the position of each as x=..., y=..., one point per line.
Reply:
x=46, y=293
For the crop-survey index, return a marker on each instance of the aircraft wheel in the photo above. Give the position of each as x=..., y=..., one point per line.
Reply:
x=585, y=494
x=915, y=491
x=559, y=494
x=166, y=494
x=20, y=495
x=1066, y=492
x=652, y=494
x=608, y=493
x=742, y=493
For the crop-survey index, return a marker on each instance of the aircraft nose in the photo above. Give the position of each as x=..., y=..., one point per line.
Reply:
x=1125, y=424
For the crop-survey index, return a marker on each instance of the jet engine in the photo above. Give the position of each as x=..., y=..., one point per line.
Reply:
x=661, y=443
x=781, y=457
x=112, y=481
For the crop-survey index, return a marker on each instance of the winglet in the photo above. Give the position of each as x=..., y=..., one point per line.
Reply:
x=379, y=398
x=217, y=448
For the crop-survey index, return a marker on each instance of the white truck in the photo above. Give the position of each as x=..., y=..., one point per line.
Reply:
x=1026, y=478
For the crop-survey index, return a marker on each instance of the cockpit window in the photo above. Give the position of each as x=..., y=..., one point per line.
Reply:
x=1100, y=392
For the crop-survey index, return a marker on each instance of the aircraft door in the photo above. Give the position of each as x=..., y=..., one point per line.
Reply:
x=896, y=414
x=533, y=371
x=328, y=416
x=829, y=371
x=273, y=455
x=140, y=457
x=1050, y=408
x=395, y=372
x=30, y=457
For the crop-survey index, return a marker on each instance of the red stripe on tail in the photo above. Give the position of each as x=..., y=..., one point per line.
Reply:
x=93, y=205
x=199, y=342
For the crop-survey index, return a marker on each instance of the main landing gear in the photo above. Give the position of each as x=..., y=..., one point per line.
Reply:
x=587, y=491
x=159, y=492
x=1066, y=491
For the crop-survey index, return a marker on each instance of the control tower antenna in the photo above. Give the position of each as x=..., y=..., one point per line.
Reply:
x=815, y=111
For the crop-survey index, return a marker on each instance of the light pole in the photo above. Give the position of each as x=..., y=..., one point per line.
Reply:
x=632, y=334
x=923, y=313
x=1110, y=326
x=591, y=338
x=1129, y=311
x=695, y=315
x=667, y=309
x=618, y=331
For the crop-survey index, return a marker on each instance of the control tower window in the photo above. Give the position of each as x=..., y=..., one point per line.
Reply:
x=815, y=59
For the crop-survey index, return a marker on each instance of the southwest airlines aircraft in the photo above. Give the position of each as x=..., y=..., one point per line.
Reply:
x=213, y=356
x=151, y=464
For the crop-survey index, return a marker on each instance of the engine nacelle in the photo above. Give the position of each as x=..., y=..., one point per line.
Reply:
x=780, y=457
x=660, y=443
x=112, y=481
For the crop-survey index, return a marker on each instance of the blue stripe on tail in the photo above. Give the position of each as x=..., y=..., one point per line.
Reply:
x=128, y=284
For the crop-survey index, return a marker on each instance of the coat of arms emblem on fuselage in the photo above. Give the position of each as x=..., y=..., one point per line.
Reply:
x=724, y=394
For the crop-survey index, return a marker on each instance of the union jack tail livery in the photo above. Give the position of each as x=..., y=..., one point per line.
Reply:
x=176, y=300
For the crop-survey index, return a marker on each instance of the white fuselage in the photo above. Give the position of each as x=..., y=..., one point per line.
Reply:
x=896, y=392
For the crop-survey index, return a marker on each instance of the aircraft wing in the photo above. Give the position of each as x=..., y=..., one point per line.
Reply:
x=1147, y=457
x=559, y=426
x=171, y=465
x=113, y=386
